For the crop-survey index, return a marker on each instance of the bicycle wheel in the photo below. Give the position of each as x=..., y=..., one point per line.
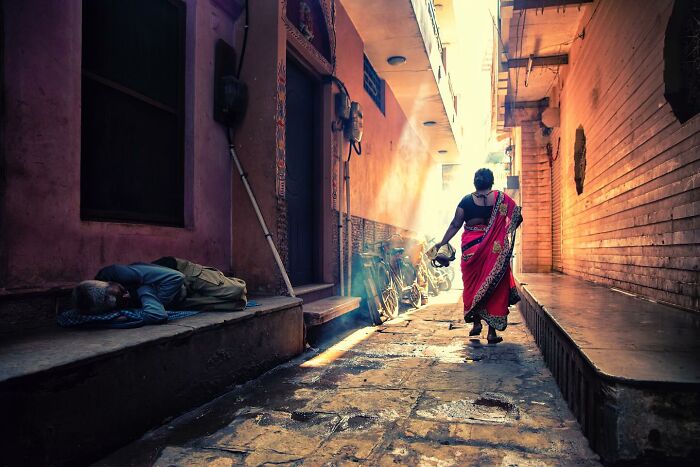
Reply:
x=414, y=295
x=433, y=280
x=445, y=282
x=450, y=273
x=409, y=275
x=372, y=300
x=387, y=291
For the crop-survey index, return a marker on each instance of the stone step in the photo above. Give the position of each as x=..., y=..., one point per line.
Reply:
x=326, y=309
x=70, y=396
x=312, y=292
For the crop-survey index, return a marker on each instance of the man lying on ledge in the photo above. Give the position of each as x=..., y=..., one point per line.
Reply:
x=126, y=296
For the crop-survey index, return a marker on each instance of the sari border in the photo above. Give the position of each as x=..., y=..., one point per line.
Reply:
x=497, y=273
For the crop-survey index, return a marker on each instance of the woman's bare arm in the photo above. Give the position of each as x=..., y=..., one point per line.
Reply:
x=453, y=228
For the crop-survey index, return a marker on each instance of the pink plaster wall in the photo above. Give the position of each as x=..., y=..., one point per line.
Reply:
x=255, y=145
x=392, y=181
x=43, y=241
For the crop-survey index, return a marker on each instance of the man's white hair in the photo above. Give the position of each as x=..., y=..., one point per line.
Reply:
x=92, y=297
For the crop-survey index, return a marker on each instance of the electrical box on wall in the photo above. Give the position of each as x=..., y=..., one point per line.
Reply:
x=342, y=106
x=354, y=126
x=230, y=93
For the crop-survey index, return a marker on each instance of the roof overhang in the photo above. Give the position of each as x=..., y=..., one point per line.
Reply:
x=536, y=38
x=421, y=85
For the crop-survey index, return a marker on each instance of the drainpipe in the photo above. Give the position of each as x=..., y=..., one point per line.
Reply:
x=348, y=223
x=340, y=216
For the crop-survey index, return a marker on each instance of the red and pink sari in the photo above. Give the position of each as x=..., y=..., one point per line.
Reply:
x=489, y=287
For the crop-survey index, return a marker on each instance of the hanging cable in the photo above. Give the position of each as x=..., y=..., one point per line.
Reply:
x=245, y=39
x=333, y=46
x=500, y=39
x=356, y=146
x=520, y=52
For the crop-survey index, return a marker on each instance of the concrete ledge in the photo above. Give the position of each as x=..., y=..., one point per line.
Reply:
x=627, y=367
x=29, y=310
x=68, y=397
x=326, y=309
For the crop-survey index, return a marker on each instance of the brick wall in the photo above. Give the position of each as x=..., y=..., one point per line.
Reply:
x=636, y=224
x=536, y=201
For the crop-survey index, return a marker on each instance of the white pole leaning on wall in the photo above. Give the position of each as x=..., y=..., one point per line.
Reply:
x=254, y=202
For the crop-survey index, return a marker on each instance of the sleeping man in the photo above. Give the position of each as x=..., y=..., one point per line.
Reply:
x=124, y=296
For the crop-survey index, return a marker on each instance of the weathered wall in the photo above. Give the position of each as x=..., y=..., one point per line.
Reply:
x=43, y=241
x=636, y=224
x=256, y=148
x=395, y=179
x=555, y=172
x=536, y=200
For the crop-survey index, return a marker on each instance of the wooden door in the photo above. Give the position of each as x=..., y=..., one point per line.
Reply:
x=302, y=169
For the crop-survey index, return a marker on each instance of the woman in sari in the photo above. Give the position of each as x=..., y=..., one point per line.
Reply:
x=490, y=219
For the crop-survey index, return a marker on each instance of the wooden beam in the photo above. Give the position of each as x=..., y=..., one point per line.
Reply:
x=548, y=60
x=533, y=4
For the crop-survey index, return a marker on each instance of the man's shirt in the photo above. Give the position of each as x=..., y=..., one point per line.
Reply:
x=154, y=286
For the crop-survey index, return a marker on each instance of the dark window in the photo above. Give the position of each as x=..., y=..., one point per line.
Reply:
x=682, y=59
x=374, y=85
x=132, y=161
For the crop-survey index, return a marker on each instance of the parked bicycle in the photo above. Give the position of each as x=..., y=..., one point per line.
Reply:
x=438, y=279
x=389, y=279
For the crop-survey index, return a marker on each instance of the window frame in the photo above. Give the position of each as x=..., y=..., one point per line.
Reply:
x=378, y=97
x=178, y=111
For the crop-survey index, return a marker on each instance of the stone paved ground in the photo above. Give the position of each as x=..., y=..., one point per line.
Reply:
x=416, y=391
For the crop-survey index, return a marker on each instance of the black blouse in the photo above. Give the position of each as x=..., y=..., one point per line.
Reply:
x=474, y=211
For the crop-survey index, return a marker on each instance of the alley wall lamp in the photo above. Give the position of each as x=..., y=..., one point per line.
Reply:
x=396, y=60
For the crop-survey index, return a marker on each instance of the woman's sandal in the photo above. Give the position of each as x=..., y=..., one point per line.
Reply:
x=494, y=340
x=475, y=331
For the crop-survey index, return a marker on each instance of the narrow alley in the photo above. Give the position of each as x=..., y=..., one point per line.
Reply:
x=338, y=232
x=414, y=391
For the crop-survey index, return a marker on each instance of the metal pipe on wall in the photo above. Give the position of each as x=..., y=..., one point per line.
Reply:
x=348, y=225
x=339, y=198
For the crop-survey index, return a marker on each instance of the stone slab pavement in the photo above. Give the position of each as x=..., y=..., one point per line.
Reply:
x=415, y=391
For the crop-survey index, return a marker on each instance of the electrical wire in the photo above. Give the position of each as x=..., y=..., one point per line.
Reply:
x=245, y=39
x=498, y=32
x=589, y=19
x=335, y=38
x=519, y=50
x=578, y=36
x=354, y=145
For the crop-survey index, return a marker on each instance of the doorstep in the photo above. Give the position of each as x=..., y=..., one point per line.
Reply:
x=70, y=396
x=326, y=309
x=313, y=292
x=628, y=367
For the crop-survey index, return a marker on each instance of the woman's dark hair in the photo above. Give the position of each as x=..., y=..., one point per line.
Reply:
x=483, y=179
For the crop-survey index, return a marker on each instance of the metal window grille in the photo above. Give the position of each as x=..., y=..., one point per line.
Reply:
x=374, y=85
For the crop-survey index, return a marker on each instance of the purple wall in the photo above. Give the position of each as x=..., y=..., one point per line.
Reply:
x=42, y=239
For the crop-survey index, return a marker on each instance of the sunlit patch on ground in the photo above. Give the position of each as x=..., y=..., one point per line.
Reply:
x=414, y=391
